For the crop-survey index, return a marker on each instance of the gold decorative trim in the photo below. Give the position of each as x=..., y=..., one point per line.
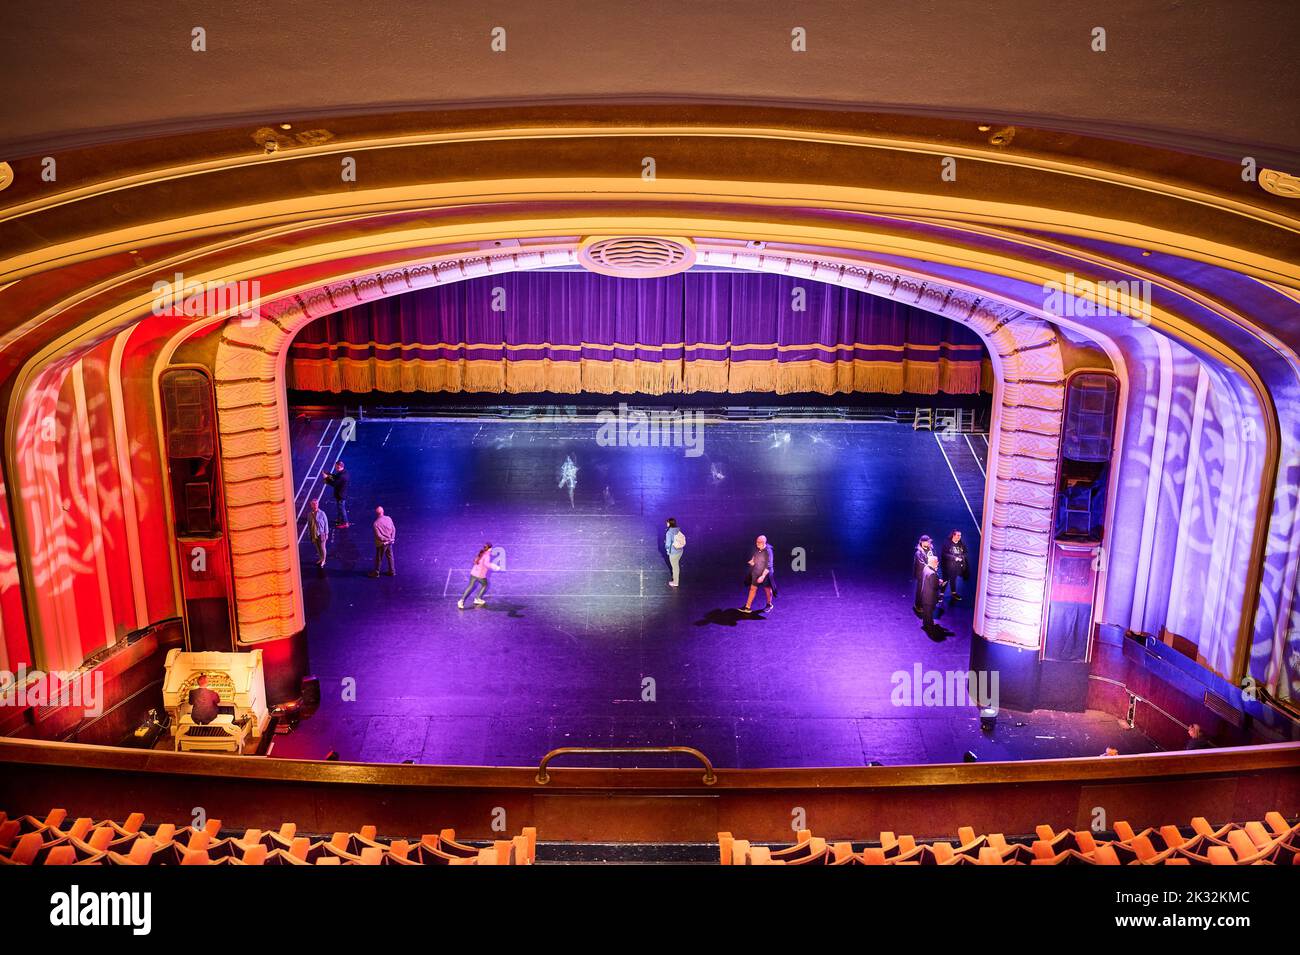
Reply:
x=629, y=346
x=6, y=176
x=272, y=140
x=636, y=256
x=1280, y=183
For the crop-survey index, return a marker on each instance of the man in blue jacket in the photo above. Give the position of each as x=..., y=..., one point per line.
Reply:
x=674, y=544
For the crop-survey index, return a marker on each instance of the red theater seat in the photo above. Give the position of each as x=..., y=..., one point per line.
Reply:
x=87, y=843
x=253, y=855
x=1274, y=842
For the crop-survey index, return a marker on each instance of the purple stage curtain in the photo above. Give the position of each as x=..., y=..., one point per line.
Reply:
x=577, y=331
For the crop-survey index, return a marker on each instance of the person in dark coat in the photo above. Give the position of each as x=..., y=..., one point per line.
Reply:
x=924, y=548
x=339, y=481
x=1196, y=739
x=931, y=587
x=205, y=704
x=762, y=573
x=954, y=566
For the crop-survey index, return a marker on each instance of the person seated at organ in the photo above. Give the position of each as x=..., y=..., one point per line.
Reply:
x=204, y=703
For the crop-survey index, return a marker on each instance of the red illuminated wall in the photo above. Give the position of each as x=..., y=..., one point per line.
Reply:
x=15, y=649
x=139, y=354
x=91, y=506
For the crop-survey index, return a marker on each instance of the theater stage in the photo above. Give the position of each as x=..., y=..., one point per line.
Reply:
x=581, y=616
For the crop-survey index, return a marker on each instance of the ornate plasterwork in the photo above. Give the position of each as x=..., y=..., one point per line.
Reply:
x=1280, y=183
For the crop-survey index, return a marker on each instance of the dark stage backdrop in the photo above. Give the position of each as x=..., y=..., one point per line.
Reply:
x=577, y=331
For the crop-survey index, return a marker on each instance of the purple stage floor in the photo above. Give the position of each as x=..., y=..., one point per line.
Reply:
x=582, y=615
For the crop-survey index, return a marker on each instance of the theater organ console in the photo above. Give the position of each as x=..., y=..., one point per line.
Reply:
x=239, y=681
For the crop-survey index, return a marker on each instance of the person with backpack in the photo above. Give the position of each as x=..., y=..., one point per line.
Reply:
x=674, y=544
x=478, y=577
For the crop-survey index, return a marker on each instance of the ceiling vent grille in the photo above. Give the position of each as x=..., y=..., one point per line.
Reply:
x=637, y=256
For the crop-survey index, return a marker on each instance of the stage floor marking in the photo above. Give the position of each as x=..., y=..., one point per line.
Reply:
x=939, y=442
x=313, y=475
x=311, y=468
x=980, y=463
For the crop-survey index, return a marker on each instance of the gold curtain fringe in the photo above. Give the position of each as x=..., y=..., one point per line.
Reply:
x=640, y=377
x=877, y=377
x=705, y=376
x=921, y=377
x=597, y=376
x=959, y=377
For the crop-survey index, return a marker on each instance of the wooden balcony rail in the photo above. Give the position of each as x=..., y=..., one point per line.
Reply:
x=543, y=777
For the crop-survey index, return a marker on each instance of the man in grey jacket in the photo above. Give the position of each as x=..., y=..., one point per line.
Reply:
x=385, y=538
x=318, y=526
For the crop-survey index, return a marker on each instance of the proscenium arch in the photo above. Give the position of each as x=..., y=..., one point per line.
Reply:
x=324, y=259
x=468, y=178
x=1017, y=523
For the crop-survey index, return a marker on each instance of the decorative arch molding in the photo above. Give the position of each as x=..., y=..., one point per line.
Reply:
x=1025, y=433
x=817, y=180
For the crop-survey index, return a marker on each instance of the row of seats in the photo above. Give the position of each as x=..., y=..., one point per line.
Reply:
x=1272, y=842
x=29, y=840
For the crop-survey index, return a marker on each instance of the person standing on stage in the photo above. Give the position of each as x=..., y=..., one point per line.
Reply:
x=931, y=587
x=318, y=526
x=924, y=548
x=478, y=577
x=674, y=544
x=339, y=481
x=762, y=569
x=385, y=538
x=954, y=566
